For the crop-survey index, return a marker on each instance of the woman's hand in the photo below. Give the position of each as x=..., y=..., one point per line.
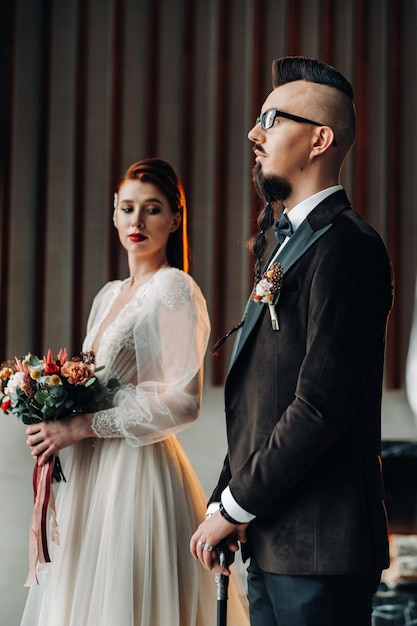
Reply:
x=48, y=438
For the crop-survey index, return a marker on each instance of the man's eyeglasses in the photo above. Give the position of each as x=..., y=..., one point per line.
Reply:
x=267, y=119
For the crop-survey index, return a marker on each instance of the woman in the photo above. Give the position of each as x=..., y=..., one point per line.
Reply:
x=131, y=499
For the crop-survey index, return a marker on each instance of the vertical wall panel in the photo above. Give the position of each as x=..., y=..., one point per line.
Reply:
x=96, y=223
x=7, y=35
x=408, y=179
x=77, y=195
x=375, y=127
x=152, y=78
x=328, y=15
x=187, y=110
x=311, y=38
x=343, y=57
x=221, y=181
x=362, y=95
x=22, y=284
x=41, y=186
x=94, y=85
x=137, y=42
x=59, y=183
x=294, y=27
x=116, y=116
x=394, y=196
x=201, y=188
x=170, y=79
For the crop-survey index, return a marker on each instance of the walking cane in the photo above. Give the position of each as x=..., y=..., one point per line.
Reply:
x=226, y=558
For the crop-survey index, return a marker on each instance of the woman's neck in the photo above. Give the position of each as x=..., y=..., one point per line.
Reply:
x=142, y=272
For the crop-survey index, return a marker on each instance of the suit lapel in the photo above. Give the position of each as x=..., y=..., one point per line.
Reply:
x=303, y=238
x=317, y=224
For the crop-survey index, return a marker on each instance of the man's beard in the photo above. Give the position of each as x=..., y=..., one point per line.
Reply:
x=270, y=188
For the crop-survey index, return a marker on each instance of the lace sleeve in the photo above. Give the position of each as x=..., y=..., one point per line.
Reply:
x=169, y=340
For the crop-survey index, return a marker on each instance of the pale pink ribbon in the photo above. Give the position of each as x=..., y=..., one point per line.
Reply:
x=43, y=508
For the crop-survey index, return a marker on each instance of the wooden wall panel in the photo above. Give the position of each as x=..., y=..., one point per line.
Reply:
x=91, y=86
x=408, y=179
x=395, y=77
x=116, y=116
x=77, y=194
x=7, y=67
x=221, y=179
x=201, y=188
x=61, y=301
x=24, y=181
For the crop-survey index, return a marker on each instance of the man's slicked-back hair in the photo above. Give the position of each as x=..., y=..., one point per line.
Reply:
x=289, y=69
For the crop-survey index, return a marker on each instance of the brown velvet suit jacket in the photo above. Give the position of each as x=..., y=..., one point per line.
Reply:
x=303, y=403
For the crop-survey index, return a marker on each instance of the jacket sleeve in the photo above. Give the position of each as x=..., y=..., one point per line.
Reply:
x=222, y=483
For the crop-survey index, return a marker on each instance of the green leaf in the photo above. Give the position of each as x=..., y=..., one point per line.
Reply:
x=40, y=397
x=57, y=391
x=26, y=419
x=33, y=360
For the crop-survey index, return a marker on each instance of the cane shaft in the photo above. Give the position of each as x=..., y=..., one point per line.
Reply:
x=221, y=612
x=222, y=584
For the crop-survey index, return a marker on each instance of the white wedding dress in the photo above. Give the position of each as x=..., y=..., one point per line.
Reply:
x=132, y=500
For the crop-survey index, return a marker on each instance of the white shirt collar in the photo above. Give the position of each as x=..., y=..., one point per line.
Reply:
x=301, y=210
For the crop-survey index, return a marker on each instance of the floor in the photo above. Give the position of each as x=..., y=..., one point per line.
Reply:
x=204, y=442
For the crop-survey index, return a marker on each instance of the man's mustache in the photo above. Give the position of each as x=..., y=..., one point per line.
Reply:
x=258, y=148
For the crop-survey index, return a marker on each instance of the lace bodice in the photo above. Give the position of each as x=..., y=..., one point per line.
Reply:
x=155, y=347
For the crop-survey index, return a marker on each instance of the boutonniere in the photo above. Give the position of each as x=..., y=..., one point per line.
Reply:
x=268, y=289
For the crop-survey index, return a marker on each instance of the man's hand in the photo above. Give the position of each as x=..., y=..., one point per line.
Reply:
x=209, y=534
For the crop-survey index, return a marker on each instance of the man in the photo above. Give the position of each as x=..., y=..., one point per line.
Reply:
x=301, y=485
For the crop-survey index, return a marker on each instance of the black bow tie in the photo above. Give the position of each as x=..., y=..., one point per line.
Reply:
x=283, y=228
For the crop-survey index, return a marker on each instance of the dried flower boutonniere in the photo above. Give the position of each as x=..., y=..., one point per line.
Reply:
x=267, y=290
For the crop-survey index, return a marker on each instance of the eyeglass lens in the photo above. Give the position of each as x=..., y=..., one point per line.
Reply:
x=267, y=119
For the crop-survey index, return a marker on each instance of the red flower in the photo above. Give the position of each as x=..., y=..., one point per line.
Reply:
x=50, y=366
x=5, y=405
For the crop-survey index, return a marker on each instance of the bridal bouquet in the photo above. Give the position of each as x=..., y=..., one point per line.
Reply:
x=49, y=389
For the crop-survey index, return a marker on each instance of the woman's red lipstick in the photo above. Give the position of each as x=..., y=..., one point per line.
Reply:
x=137, y=237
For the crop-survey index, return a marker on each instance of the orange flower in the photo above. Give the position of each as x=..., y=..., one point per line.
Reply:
x=77, y=372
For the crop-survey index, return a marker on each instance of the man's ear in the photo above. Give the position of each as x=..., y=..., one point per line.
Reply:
x=324, y=139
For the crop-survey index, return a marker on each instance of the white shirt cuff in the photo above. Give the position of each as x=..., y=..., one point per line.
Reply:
x=234, y=509
x=212, y=508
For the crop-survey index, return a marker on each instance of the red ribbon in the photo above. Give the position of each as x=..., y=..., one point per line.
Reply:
x=44, y=502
